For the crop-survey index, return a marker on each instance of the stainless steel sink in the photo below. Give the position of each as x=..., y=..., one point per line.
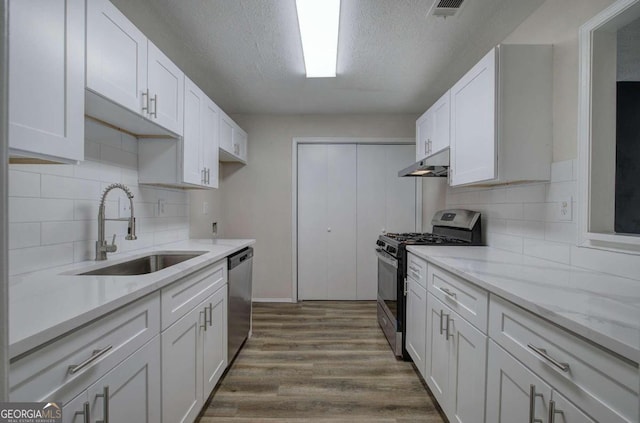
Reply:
x=143, y=265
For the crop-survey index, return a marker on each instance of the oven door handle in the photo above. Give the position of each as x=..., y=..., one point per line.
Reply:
x=386, y=258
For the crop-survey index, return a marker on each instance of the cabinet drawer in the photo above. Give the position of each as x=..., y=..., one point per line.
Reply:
x=44, y=375
x=463, y=297
x=417, y=269
x=597, y=381
x=181, y=297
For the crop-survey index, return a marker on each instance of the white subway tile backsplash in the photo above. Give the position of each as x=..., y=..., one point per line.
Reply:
x=23, y=235
x=31, y=259
x=562, y=171
x=525, y=228
x=526, y=194
x=53, y=209
x=553, y=251
x=560, y=191
x=560, y=232
x=625, y=265
x=58, y=232
x=39, y=209
x=505, y=242
x=24, y=184
x=71, y=188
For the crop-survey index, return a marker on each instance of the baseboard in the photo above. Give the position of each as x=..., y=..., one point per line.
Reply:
x=273, y=300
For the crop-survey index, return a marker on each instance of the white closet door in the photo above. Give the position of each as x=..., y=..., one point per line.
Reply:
x=400, y=201
x=371, y=215
x=341, y=225
x=312, y=222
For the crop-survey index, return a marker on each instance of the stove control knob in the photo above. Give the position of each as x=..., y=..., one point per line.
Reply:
x=391, y=249
x=380, y=243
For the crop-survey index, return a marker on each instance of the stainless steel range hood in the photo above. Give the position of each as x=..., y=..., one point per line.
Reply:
x=436, y=165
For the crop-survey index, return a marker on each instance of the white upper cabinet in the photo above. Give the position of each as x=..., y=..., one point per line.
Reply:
x=432, y=128
x=46, y=70
x=501, y=118
x=125, y=70
x=116, y=56
x=188, y=162
x=233, y=141
x=165, y=82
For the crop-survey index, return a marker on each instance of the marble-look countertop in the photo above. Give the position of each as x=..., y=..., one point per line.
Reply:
x=46, y=304
x=602, y=308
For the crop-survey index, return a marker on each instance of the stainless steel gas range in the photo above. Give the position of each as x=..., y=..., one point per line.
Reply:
x=450, y=227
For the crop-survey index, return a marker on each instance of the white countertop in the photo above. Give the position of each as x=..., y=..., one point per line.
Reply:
x=46, y=304
x=600, y=307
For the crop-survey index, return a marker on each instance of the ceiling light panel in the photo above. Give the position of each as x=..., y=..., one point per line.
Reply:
x=319, y=22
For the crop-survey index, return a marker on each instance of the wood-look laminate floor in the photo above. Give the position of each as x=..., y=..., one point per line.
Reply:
x=319, y=361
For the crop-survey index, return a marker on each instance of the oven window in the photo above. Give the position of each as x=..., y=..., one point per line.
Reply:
x=388, y=286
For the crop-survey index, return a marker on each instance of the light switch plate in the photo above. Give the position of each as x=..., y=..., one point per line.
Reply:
x=565, y=212
x=161, y=207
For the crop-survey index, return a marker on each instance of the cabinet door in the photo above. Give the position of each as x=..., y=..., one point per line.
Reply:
x=182, y=368
x=424, y=127
x=166, y=90
x=226, y=133
x=214, y=340
x=441, y=119
x=46, y=70
x=116, y=56
x=73, y=411
x=437, y=352
x=509, y=385
x=467, y=371
x=210, y=142
x=194, y=100
x=473, y=124
x=133, y=388
x=567, y=412
x=416, y=323
x=240, y=143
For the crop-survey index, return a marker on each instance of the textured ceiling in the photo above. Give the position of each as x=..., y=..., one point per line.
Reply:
x=392, y=57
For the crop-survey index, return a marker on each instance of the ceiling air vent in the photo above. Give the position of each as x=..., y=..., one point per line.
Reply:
x=446, y=8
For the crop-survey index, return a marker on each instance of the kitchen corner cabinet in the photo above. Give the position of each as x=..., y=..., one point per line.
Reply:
x=194, y=358
x=126, y=71
x=189, y=162
x=433, y=128
x=501, y=118
x=46, y=70
x=233, y=141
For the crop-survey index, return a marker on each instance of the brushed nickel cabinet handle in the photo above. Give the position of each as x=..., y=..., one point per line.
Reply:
x=145, y=101
x=210, y=308
x=86, y=413
x=532, y=404
x=448, y=292
x=442, y=314
x=155, y=106
x=543, y=353
x=204, y=312
x=449, y=320
x=105, y=404
x=75, y=368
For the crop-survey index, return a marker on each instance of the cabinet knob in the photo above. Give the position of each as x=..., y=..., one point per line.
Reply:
x=328, y=229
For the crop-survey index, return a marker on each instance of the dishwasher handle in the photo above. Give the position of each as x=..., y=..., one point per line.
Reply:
x=240, y=257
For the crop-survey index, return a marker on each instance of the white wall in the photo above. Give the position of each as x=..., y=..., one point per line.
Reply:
x=525, y=218
x=53, y=209
x=255, y=200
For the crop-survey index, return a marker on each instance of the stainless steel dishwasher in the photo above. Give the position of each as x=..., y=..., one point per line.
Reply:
x=239, y=304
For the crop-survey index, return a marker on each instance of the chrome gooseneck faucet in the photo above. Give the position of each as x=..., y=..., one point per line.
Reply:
x=102, y=248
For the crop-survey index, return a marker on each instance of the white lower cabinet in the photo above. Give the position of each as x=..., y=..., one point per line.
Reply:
x=416, y=323
x=193, y=358
x=76, y=409
x=455, y=359
x=514, y=393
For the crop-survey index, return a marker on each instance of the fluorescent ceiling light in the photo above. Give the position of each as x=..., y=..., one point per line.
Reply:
x=318, y=21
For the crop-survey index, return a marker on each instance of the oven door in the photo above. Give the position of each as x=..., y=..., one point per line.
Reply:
x=388, y=283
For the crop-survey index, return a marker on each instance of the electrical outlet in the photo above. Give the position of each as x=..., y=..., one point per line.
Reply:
x=124, y=207
x=566, y=209
x=161, y=206
x=214, y=228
